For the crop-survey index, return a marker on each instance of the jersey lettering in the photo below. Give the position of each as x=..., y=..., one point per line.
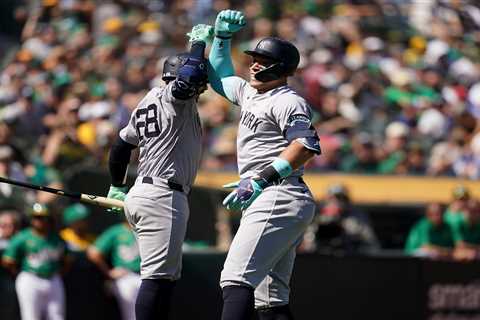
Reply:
x=37, y=259
x=249, y=120
x=128, y=252
x=150, y=126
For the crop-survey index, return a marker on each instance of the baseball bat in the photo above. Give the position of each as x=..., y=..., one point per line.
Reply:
x=87, y=198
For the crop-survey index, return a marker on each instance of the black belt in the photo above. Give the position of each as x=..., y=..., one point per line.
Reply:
x=300, y=179
x=171, y=184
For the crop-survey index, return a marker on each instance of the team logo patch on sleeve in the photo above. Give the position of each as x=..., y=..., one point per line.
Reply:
x=299, y=126
x=300, y=120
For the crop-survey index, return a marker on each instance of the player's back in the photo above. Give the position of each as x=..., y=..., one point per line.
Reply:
x=168, y=132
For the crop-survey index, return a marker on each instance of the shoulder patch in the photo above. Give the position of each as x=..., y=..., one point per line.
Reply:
x=296, y=119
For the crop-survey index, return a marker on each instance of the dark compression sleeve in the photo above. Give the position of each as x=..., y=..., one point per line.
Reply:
x=118, y=161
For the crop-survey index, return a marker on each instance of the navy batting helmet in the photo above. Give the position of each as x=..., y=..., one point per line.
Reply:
x=172, y=64
x=284, y=54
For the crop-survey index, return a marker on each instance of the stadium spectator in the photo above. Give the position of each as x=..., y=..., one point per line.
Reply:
x=40, y=174
x=444, y=153
x=9, y=225
x=414, y=163
x=393, y=153
x=363, y=159
x=340, y=227
x=456, y=209
x=10, y=195
x=431, y=237
x=467, y=233
x=117, y=247
x=76, y=232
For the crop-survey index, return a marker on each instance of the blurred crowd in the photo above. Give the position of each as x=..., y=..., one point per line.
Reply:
x=394, y=85
x=451, y=232
x=443, y=231
x=44, y=245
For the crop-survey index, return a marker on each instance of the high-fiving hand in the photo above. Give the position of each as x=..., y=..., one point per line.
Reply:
x=228, y=22
x=201, y=32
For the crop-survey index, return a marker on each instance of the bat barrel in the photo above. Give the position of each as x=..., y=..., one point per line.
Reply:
x=75, y=195
x=99, y=201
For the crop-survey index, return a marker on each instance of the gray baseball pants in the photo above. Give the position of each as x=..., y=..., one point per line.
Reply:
x=263, y=250
x=158, y=216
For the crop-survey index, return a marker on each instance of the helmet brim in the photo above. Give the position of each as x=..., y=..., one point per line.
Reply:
x=168, y=78
x=260, y=53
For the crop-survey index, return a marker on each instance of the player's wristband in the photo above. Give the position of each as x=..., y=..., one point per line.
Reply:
x=279, y=169
x=223, y=37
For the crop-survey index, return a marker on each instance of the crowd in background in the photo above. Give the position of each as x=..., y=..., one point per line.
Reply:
x=394, y=85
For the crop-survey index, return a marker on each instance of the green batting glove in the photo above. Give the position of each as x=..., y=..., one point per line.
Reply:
x=228, y=22
x=201, y=32
x=118, y=193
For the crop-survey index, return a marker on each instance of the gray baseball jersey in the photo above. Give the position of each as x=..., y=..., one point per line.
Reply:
x=168, y=132
x=262, y=253
x=264, y=119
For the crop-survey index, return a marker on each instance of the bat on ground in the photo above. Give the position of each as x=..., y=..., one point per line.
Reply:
x=87, y=198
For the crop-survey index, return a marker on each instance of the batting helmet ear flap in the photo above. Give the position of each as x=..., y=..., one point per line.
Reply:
x=273, y=72
x=172, y=64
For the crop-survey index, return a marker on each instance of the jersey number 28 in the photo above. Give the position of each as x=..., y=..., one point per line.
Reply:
x=151, y=126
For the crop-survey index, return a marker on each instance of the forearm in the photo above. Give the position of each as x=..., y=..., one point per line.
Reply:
x=438, y=250
x=97, y=258
x=220, y=57
x=186, y=85
x=220, y=65
x=10, y=265
x=296, y=154
x=118, y=161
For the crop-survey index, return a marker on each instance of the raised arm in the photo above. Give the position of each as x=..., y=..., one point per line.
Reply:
x=227, y=23
x=220, y=69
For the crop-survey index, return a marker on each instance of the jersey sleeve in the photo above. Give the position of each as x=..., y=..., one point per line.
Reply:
x=129, y=133
x=105, y=241
x=235, y=89
x=14, y=250
x=294, y=117
x=414, y=240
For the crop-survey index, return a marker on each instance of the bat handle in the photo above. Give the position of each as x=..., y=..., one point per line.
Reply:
x=101, y=201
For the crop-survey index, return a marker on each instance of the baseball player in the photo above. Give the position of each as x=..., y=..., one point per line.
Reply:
x=118, y=243
x=166, y=127
x=275, y=138
x=76, y=234
x=40, y=254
